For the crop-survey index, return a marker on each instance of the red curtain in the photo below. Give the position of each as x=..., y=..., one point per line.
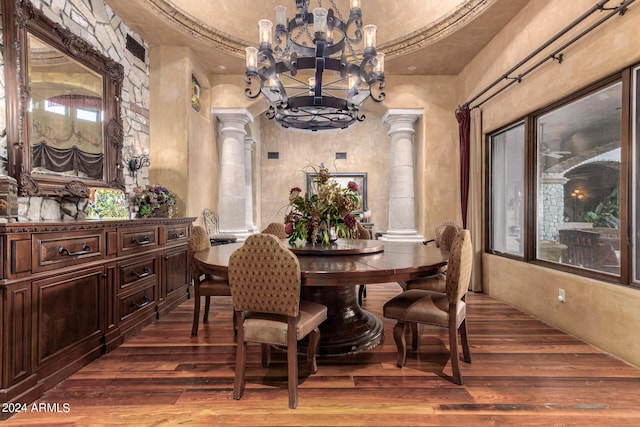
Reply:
x=463, y=115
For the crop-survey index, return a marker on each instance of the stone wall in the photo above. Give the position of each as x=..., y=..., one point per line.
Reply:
x=94, y=21
x=552, y=209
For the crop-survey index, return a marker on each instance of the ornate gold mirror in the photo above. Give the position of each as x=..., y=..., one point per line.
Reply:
x=64, y=132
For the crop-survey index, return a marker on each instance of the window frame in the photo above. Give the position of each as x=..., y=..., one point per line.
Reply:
x=489, y=191
x=530, y=198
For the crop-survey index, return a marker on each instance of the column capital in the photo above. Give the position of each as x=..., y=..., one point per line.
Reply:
x=407, y=116
x=248, y=140
x=234, y=117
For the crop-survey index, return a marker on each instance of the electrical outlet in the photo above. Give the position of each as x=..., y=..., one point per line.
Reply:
x=561, y=295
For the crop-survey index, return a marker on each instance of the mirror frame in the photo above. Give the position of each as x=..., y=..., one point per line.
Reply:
x=20, y=19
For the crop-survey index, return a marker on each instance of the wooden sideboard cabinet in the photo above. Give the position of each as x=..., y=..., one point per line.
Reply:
x=71, y=291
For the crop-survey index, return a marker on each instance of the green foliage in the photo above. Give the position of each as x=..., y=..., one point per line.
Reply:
x=606, y=213
x=154, y=200
x=325, y=210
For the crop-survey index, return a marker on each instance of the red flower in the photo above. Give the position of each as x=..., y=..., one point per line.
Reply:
x=349, y=221
x=352, y=185
x=295, y=190
x=288, y=228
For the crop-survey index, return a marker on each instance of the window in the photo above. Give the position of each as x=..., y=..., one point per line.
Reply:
x=53, y=107
x=554, y=183
x=507, y=190
x=88, y=115
x=578, y=182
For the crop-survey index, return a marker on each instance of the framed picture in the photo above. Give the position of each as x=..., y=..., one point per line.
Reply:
x=343, y=179
x=106, y=203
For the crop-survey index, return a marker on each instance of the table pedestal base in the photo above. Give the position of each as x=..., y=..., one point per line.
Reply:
x=348, y=329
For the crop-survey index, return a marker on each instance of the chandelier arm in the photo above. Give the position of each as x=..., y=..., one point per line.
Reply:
x=378, y=95
x=250, y=79
x=355, y=18
x=369, y=60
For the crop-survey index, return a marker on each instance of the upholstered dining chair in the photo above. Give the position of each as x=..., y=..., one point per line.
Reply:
x=204, y=285
x=265, y=282
x=277, y=229
x=447, y=310
x=436, y=282
x=439, y=233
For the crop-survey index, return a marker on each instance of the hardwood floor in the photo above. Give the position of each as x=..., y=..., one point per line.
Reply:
x=523, y=373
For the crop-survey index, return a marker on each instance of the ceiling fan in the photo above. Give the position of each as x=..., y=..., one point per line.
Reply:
x=546, y=150
x=556, y=154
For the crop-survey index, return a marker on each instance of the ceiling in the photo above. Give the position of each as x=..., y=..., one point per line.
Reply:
x=419, y=37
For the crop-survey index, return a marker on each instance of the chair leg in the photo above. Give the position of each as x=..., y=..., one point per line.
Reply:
x=241, y=360
x=401, y=343
x=415, y=336
x=292, y=363
x=266, y=355
x=465, y=341
x=196, y=313
x=207, y=304
x=453, y=348
x=314, y=340
x=362, y=293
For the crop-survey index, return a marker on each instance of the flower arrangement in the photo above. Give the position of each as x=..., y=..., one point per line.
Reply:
x=154, y=201
x=325, y=213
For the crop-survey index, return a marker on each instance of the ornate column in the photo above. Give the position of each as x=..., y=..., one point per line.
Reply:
x=248, y=181
x=233, y=193
x=402, y=213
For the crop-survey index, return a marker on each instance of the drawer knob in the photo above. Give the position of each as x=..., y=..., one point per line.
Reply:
x=145, y=273
x=145, y=241
x=86, y=249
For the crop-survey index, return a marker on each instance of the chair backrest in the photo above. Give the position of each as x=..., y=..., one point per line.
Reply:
x=211, y=222
x=264, y=276
x=199, y=240
x=277, y=229
x=362, y=232
x=439, y=231
x=446, y=237
x=459, y=266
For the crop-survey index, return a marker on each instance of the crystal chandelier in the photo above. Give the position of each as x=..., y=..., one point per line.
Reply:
x=318, y=81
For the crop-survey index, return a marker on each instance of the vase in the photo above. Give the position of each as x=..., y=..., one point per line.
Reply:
x=320, y=238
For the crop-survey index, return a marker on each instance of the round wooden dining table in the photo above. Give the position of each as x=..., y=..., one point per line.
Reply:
x=330, y=275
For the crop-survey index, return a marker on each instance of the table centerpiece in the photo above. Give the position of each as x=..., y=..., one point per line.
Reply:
x=324, y=213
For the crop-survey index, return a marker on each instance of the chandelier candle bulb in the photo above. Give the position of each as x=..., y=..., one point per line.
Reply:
x=281, y=16
x=355, y=4
x=370, y=36
x=379, y=67
x=320, y=20
x=252, y=58
x=265, y=27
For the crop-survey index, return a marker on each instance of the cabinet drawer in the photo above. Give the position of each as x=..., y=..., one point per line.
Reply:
x=56, y=250
x=136, y=302
x=177, y=233
x=133, y=272
x=135, y=240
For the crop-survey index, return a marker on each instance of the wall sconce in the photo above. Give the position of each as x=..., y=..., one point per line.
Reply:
x=136, y=163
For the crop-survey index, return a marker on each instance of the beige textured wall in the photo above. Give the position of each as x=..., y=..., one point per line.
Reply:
x=601, y=313
x=167, y=117
x=203, y=155
x=183, y=157
x=367, y=145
